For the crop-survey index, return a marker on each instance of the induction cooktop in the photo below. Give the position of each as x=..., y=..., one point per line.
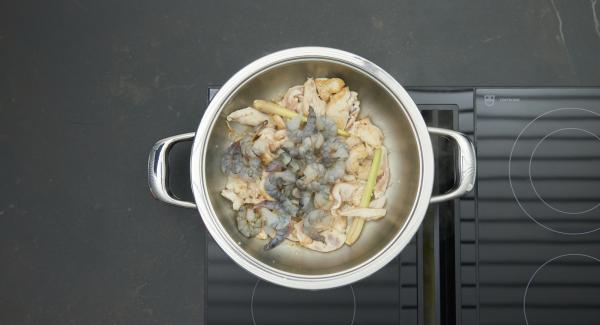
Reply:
x=522, y=248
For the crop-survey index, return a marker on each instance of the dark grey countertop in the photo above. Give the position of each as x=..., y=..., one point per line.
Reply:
x=88, y=86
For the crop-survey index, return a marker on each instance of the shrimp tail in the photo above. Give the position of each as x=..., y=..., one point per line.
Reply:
x=280, y=235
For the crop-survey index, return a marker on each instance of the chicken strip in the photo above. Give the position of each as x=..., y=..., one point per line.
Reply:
x=311, y=98
x=293, y=98
x=241, y=192
x=338, y=108
x=248, y=116
x=332, y=238
x=368, y=132
x=328, y=86
x=267, y=142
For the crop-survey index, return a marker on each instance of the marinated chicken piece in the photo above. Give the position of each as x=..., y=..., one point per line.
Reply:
x=368, y=132
x=363, y=172
x=315, y=222
x=332, y=238
x=236, y=201
x=353, y=141
x=338, y=108
x=298, y=231
x=328, y=86
x=293, y=233
x=312, y=99
x=248, y=116
x=341, y=193
x=383, y=176
x=268, y=141
x=349, y=178
x=355, y=158
x=293, y=98
x=357, y=196
x=241, y=192
x=359, y=161
x=346, y=192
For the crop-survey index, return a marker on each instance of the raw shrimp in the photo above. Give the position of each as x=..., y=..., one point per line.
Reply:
x=235, y=162
x=232, y=159
x=322, y=200
x=315, y=186
x=332, y=150
x=311, y=173
x=335, y=172
x=278, y=181
x=279, y=185
x=311, y=124
x=293, y=124
x=248, y=223
x=295, y=165
x=277, y=165
x=251, y=162
x=317, y=140
x=278, y=221
x=327, y=127
x=306, y=203
x=289, y=146
x=280, y=235
x=306, y=149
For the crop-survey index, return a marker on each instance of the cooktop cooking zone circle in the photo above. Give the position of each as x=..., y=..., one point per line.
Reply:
x=274, y=304
x=596, y=142
x=553, y=285
x=558, y=147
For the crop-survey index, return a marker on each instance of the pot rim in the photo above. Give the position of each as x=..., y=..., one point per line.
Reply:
x=295, y=280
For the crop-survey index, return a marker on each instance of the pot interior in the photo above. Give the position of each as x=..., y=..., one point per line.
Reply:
x=404, y=157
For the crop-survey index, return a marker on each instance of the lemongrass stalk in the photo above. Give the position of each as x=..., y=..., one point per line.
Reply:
x=357, y=222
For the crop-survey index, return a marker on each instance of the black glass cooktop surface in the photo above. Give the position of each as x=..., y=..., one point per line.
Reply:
x=538, y=223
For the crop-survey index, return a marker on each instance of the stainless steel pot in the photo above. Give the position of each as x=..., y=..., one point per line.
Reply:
x=411, y=168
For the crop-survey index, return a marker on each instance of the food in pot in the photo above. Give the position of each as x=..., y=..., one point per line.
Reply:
x=306, y=168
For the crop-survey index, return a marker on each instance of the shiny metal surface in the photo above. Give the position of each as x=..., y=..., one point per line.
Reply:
x=158, y=170
x=411, y=167
x=466, y=165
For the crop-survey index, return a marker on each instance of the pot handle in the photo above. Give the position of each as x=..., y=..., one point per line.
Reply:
x=466, y=164
x=158, y=170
